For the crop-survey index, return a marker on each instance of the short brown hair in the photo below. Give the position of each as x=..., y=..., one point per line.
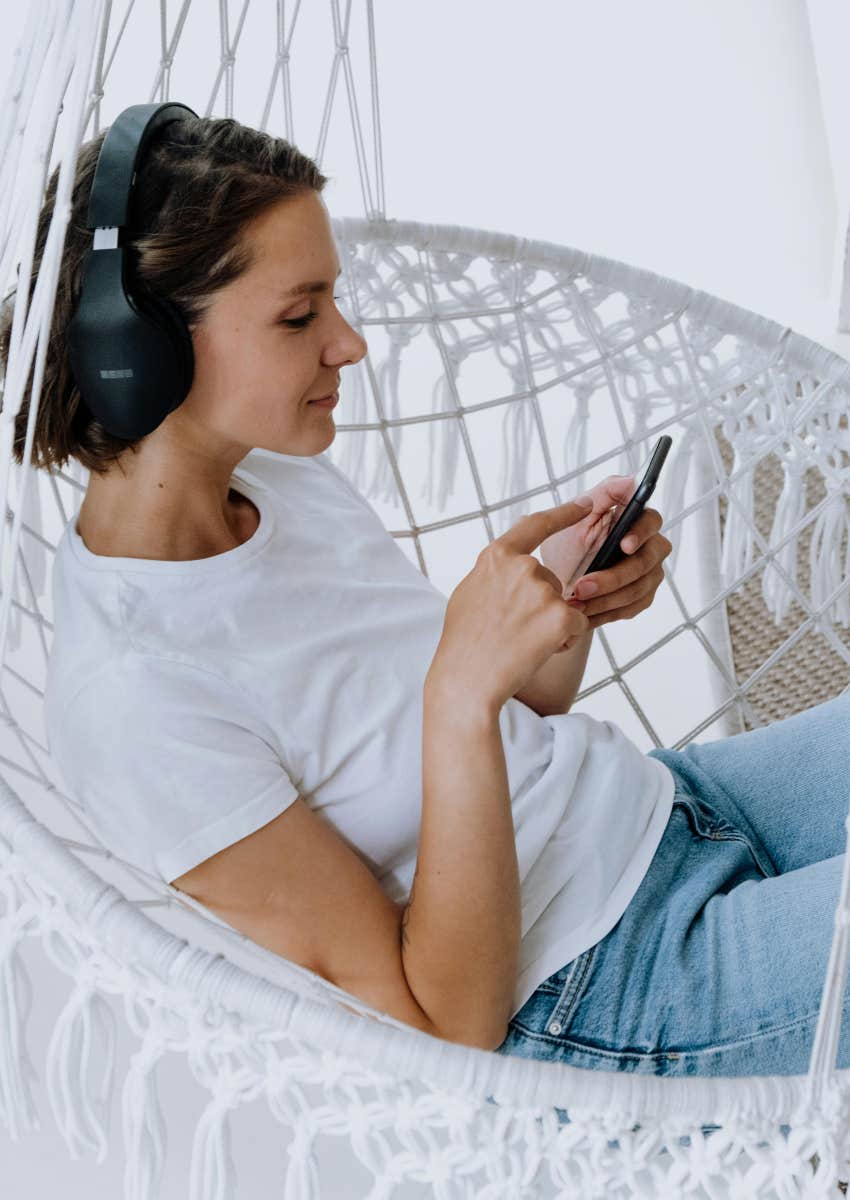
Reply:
x=202, y=180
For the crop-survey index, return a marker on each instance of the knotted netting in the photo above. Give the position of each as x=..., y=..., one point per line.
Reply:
x=503, y=375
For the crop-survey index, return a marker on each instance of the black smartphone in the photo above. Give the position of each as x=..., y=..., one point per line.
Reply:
x=624, y=516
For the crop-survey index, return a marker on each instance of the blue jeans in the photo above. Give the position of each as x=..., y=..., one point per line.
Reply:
x=718, y=964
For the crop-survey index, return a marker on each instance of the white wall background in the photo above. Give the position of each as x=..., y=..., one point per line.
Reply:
x=693, y=138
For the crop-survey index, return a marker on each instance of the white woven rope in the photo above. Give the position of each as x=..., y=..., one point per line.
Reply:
x=565, y=331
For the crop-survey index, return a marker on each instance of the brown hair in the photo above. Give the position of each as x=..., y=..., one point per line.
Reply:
x=202, y=180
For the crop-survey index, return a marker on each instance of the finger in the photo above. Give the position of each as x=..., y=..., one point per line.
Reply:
x=620, y=487
x=544, y=572
x=621, y=574
x=648, y=523
x=616, y=489
x=529, y=531
x=620, y=600
x=621, y=614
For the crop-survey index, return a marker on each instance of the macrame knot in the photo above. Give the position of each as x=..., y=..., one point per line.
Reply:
x=583, y=392
x=399, y=337
x=86, y=982
x=456, y=355
x=449, y=266
x=833, y=479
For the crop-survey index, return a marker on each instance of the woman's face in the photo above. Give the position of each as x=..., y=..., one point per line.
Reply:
x=261, y=355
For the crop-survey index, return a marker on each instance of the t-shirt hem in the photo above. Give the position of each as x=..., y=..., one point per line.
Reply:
x=230, y=828
x=565, y=949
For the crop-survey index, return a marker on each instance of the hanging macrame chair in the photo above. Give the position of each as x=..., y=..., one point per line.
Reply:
x=471, y=333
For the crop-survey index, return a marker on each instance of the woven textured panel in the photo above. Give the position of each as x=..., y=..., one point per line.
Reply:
x=809, y=671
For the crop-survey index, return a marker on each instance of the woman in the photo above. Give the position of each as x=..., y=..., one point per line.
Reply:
x=260, y=699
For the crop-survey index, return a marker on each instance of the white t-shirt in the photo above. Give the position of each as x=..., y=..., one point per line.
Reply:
x=188, y=703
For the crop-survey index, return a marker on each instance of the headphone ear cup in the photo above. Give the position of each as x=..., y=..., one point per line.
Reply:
x=131, y=356
x=169, y=320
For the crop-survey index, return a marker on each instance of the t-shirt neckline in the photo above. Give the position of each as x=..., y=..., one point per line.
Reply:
x=215, y=562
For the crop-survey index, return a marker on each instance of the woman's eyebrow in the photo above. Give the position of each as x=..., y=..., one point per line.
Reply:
x=313, y=285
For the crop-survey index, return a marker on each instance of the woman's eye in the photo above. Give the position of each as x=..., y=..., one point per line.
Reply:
x=302, y=322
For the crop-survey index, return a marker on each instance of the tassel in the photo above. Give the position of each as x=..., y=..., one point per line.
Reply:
x=289, y=1105
x=302, y=1169
x=16, y=1069
x=67, y=1069
x=790, y=509
x=449, y=434
x=213, y=1176
x=736, y=553
x=143, y=1124
x=516, y=448
x=353, y=456
x=674, y=481
x=387, y=386
x=825, y=553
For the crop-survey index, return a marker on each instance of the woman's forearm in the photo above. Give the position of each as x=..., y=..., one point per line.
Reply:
x=461, y=928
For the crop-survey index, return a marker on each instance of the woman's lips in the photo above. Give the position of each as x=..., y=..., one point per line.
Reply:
x=331, y=401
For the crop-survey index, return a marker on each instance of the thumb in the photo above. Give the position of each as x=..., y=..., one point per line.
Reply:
x=616, y=489
x=622, y=483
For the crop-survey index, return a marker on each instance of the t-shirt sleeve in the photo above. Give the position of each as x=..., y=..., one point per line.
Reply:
x=169, y=762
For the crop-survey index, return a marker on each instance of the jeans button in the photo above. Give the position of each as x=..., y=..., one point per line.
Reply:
x=555, y=1027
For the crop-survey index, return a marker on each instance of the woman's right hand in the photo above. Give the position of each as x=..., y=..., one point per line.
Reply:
x=507, y=617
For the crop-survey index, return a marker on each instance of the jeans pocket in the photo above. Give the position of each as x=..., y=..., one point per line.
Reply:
x=576, y=978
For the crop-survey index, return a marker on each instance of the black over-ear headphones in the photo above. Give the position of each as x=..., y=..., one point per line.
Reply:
x=131, y=356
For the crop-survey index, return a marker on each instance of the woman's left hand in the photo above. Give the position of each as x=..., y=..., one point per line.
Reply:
x=629, y=586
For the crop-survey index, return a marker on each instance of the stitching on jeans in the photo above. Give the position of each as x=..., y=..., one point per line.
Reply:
x=712, y=1048
x=769, y=874
x=722, y=831
x=573, y=989
x=700, y=823
x=741, y=837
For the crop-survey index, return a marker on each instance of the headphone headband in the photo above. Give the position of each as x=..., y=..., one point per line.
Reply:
x=122, y=152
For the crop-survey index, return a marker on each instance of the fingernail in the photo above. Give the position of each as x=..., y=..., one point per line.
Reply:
x=584, y=501
x=587, y=589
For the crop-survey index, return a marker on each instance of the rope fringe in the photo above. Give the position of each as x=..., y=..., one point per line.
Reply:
x=143, y=1123
x=17, y=1106
x=68, y=1069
